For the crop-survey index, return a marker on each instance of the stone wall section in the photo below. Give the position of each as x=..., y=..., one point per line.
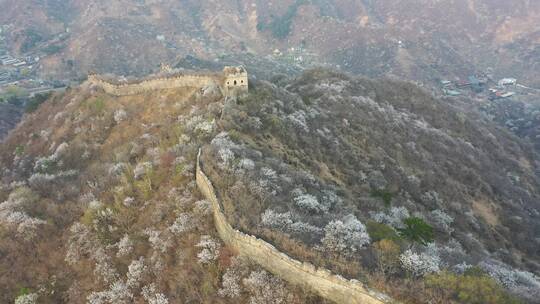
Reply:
x=193, y=81
x=327, y=285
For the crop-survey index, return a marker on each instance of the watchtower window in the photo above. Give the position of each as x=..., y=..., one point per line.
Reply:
x=235, y=82
x=242, y=81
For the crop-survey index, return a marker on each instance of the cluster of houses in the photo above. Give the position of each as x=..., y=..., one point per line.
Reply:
x=7, y=60
x=481, y=83
x=20, y=72
x=296, y=55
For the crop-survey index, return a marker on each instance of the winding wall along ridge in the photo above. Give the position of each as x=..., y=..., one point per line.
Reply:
x=163, y=83
x=327, y=285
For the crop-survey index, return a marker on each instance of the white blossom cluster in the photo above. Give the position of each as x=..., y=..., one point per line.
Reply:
x=46, y=164
x=345, y=236
x=158, y=241
x=521, y=283
x=12, y=213
x=419, y=264
x=298, y=119
x=393, y=217
x=244, y=165
x=267, y=183
x=205, y=127
x=82, y=243
x=125, y=246
x=120, y=291
x=230, y=284
x=224, y=146
x=184, y=222
x=30, y=298
x=152, y=296
x=266, y=289
x=120, y=115
x=199, y=125
x=136, y=272
x=232, y=278
x=310, y=203
x=43, y=181
x=209, y=249
x=287, y=222
x=441, y=220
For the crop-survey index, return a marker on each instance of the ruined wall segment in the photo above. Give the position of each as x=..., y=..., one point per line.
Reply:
x=327, y=285
x=233, y=81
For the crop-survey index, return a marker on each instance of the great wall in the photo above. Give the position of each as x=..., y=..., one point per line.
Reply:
x=231, y=81
x=323, y=282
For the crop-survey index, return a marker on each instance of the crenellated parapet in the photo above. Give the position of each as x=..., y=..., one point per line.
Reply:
x=329, y=286
x=231, y=83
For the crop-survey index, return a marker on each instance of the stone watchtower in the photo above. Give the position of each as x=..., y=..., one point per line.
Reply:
x=235, y=81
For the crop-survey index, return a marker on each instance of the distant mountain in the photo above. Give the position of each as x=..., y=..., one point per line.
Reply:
x=422, y=40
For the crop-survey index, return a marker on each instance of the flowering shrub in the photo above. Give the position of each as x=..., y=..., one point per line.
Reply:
x=231, y=286
x=120, y=115
x=13, y=214
x=419, y=264
x=265, y=288
x=125, y=246
x=298, y=120
x=394, y=217
x=521, y=283
x=136, y=271
x=30, y=298
x=209, y=249
x=184, y=222
x=158, y=241
x=441, y=221
x=310, y=203
x=346, y=236
x=118, y=292
x=151, y=295
x=287, y=222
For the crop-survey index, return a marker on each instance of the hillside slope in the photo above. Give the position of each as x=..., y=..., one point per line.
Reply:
x=9, y=117
x=372, y=179
x=300, y=160
x=99, y=205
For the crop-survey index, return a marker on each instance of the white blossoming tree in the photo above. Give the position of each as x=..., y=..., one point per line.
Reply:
x=345, y=236
x=419, y=264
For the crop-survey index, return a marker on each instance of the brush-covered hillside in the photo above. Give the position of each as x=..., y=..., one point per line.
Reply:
x=378, y=180
x=372, y=179
x=9, y=117
x=99, y=205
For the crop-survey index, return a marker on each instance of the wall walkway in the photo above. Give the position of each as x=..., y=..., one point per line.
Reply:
x=327, y=285
x=179, y=81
